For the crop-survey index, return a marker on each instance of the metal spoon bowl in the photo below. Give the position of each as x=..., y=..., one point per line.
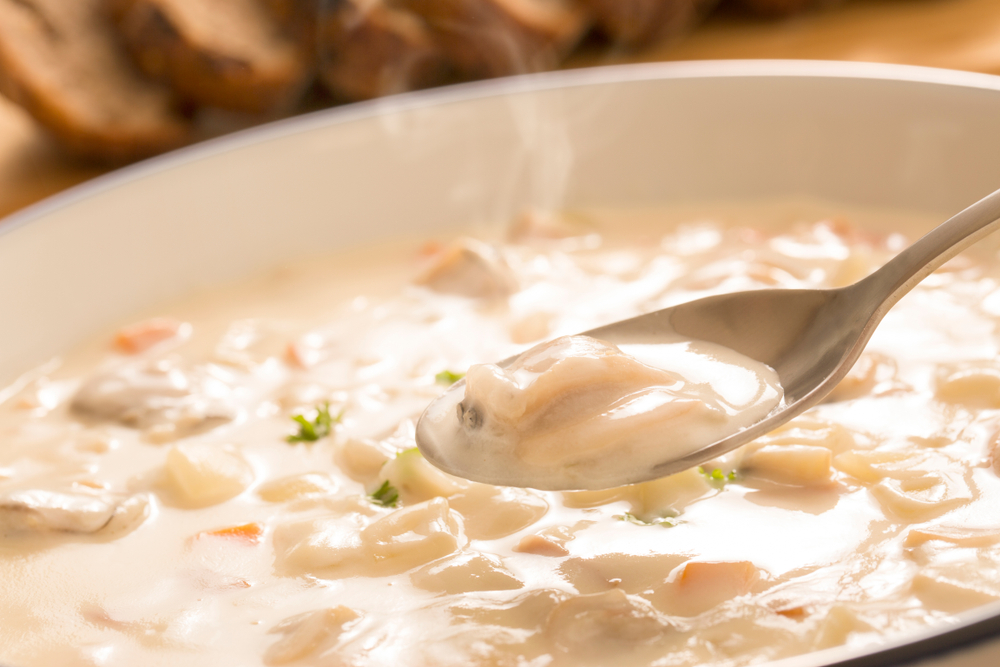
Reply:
x=810, y=337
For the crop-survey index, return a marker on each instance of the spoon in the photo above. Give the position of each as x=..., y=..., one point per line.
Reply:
x=810, y=337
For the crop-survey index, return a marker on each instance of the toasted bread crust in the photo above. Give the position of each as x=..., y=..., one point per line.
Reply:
x=636, y=23
x=60, y=60
x=367, y=49
x=488, y=38
x=223, y=53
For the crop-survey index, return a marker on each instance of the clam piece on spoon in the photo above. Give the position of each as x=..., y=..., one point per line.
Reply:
x=581, y=413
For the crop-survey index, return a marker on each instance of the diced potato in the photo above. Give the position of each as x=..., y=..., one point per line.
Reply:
x=697, y=586
x=974, y=385
x=735, y=577
x=308, y=634
x=541, y=545
x=307, y=546
x=604, y=625
x=837, y=625
x=922, y=498
x=361, y=459
x=414, y=535
x=416, y=479
x=551, y=541
x=491, y=512
x=658, y=497
x=596, y=498
x=796, y=465
x=948, y=595
x=632, y=573
x=527, y=611
x=961, y=537
x=669, y=494
x=203, y=474
x=873, y=466
x=813, y=432
x=295, y=487
x=466, y=572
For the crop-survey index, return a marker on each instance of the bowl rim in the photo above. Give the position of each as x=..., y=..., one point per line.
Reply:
x=474, y=90
x=973, y=628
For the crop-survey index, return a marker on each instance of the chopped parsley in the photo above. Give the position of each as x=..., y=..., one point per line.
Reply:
x=386, y=495
x=716, y=477
x=319, y=427
x=664, y=521
x=447, y=377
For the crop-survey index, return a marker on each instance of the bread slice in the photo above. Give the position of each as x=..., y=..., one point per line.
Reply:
x=225, y=53
x=487, y=38
x=636, y=23
x=366, y=49
x=60, y=60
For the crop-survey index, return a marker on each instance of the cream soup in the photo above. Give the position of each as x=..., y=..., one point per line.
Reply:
x=233, y=479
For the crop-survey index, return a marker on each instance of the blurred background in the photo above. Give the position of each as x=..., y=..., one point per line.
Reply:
x=90, y=85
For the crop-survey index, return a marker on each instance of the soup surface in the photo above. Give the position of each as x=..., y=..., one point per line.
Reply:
x=233, y=479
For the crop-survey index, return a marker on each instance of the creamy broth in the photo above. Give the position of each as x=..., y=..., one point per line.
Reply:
x=159, y=504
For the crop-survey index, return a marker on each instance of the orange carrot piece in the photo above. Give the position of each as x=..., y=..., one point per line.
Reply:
x=301, y=355
x=143, y=335
x=430, y=248
x=248, y=532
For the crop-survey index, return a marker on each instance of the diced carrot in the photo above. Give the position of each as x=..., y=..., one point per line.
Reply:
x=430, y=248
x=794, y=613
x=540, y=546
x=728, y=577
x=143, y=335
x=301, y=355
x=248, y=532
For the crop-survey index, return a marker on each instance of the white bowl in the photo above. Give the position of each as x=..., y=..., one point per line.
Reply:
x=873, y=135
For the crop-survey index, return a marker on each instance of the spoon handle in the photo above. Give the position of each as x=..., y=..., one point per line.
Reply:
x=902, y=273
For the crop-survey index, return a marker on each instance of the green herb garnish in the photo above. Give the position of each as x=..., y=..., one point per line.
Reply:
x=665, y=521
x=386, y=495
x=716, y=477
x=319, y=427
x=448, y=377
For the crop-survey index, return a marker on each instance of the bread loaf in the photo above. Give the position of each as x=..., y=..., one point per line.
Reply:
x=230, y=54
x=62, y=62
x=366, y=48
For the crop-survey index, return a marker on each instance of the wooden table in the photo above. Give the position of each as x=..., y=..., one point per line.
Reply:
x=958, y=34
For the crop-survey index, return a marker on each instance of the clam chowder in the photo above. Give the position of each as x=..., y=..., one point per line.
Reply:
x=232, y=479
